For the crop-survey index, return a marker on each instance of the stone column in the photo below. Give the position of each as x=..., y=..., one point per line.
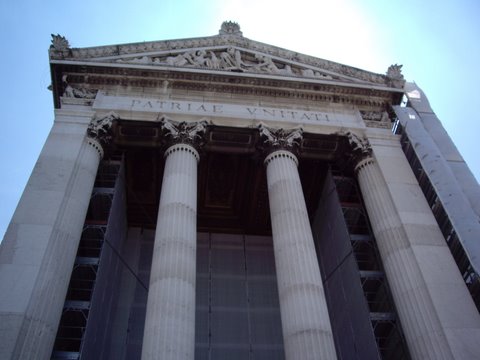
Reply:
x=170, y=321
x=422, y=327
x=306, y=325
x=39, y=249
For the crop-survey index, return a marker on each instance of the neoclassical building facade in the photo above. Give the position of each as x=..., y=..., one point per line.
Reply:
x=221, y=198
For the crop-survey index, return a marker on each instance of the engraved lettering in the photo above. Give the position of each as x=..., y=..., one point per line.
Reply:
x=293, y=113
x=219, y=108
x=305, y=116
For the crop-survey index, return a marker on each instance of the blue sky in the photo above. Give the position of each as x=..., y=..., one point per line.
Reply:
x=436, y=41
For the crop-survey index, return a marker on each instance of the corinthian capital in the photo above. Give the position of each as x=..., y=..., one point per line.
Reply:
x=360, y=148
x=184, y=132
x=100, y=126
x=278, y=139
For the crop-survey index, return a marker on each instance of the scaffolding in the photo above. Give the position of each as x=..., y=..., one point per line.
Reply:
x=470, y=276
x=384, y=322
x=77, y=306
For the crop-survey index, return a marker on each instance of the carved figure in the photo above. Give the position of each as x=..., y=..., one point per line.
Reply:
x=316, y=74
x=281, y=138
x=180, y=59
x=199, y=58
x=287, y=70
x=231, y=59
x=375, y=116
x=213, y=62
x=69, y=92
x=81, y=93
x=141, y=60
x=266, y=64
x=308, y=73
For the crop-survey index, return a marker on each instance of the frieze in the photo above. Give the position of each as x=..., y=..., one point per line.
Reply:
x=380, y=116
x=77, y=92
x=214, y=82
x=161, y=106
x=378, y=125
x=376, y=119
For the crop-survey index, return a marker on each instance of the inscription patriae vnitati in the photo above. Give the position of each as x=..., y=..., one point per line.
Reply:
x=105, y=102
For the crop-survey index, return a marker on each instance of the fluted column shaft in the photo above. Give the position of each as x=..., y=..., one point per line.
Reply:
x=170, y=321
x=305, y=321
x=422, y=328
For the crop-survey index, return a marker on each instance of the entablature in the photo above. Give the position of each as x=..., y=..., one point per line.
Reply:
x=84, y=81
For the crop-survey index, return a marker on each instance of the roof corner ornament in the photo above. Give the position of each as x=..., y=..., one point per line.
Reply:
x=99, y=127
x=59, y=43
x=230, y=28
x=395, y=77
x=394, y=72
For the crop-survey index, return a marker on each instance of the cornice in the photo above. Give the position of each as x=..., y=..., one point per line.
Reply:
x=156, y=71
x=91, y=78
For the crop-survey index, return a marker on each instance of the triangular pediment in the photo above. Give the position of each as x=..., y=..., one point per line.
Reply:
x=231, y=59
x=226, y=52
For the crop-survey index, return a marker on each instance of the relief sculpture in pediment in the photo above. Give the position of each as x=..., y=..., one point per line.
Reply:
x=228, y=59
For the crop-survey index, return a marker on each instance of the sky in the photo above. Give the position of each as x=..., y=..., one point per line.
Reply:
x=436, y=41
